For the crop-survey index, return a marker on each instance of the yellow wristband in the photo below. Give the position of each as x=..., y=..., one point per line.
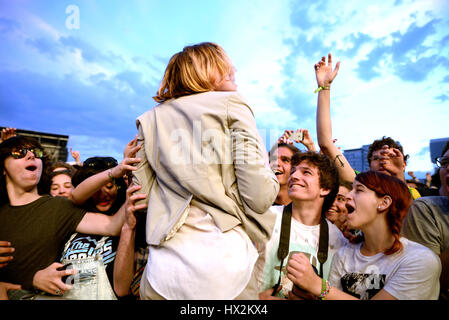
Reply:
x=321, y=88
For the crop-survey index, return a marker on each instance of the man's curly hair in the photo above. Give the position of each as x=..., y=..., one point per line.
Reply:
x=378, y=144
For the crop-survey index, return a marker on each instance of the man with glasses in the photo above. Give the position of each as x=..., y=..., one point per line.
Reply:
x=427, y=222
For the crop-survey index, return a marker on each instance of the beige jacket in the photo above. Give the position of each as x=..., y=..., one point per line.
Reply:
x=204, y=150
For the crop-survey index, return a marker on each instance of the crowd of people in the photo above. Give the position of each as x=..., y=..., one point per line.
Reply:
x=198, y=209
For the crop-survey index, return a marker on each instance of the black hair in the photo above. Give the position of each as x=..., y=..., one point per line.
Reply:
x=96, y=165
x=68, y=170
x=378, y=144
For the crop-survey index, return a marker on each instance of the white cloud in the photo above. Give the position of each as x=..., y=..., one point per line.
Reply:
x=89, y=146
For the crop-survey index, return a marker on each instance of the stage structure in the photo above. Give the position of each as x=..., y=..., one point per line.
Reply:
x=54, y=144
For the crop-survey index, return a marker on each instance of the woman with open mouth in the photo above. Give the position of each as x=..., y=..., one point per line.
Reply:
x=384, y=265
x=105, y=198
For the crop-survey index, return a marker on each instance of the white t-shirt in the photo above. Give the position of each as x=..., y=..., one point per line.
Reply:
x=412, y=273
x=303, y=238
x=201, y=262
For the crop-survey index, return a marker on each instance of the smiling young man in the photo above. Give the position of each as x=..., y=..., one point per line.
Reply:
x=337, y=212
x=38, y=225
x=280, y=163
x=312, y=187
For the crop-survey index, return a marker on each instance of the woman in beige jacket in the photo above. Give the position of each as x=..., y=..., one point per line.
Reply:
x=205, y=171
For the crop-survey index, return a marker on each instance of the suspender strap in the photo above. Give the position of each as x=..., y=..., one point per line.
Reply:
x=284, y=241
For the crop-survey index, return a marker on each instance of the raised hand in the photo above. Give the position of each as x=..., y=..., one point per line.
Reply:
x=76, y=156
x=131, y=207
x=8, y=133
x=131, y=148
x=324, y=73
x=284, y=138
x=392, y=160
x=307, y=140
x=127, y=165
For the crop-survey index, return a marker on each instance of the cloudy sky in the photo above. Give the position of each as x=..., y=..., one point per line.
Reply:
x=87, y=69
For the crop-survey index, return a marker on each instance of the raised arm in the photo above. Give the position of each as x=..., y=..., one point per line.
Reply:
x=76, y=156
x=324, y=76
x=101, y=224
x=124, y=260
x=88, y=187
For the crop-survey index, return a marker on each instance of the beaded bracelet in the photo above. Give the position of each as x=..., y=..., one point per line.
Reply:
x=110, y=175
x=325, y=288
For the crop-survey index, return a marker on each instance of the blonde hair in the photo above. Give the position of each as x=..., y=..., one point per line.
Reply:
x=195, y=69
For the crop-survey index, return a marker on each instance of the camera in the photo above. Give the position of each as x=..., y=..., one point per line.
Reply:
x=298, y=135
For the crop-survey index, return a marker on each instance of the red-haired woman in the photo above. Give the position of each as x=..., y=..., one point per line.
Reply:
x=384, y=265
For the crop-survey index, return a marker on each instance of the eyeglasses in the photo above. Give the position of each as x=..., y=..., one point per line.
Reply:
x=442, y=162
x=100, y=162
x=22, y=152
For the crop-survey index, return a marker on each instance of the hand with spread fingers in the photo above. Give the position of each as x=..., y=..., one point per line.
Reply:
x=324, y=73
x=131, y=149
x=7, y=133
x=127, y=165
x=306, y=138
x=50, y=279
x=392, y=160
x=284, y=138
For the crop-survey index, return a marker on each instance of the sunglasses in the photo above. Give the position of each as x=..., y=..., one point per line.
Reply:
x=442, y=162
x=100, y=162
x=22, y=152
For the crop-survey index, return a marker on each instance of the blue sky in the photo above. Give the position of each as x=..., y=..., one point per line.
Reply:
x=90, y=81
